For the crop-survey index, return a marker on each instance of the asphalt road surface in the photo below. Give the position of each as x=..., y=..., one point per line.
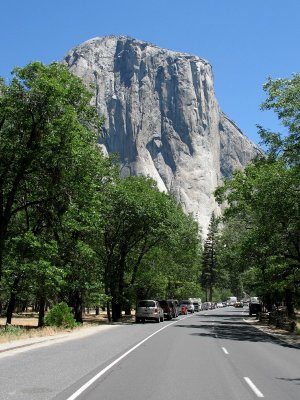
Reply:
x=209, y=355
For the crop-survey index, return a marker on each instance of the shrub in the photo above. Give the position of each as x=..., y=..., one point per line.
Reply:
x=10, y=330
x=60, y=315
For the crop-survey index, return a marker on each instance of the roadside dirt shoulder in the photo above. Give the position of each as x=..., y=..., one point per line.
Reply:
x=40, y=341
x=289, y=338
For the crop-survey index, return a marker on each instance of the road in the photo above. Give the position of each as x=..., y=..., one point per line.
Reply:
x=210, y=355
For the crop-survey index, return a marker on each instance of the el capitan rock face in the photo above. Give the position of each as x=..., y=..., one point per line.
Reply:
x=162, y=117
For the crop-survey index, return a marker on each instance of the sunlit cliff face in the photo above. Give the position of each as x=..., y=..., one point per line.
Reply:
x=162, y=118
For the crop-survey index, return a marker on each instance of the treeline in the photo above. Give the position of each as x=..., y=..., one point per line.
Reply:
x=70, y=229
x=255, y=247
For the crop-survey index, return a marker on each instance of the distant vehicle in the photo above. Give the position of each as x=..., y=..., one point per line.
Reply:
x=183, y=309
x=254, y=306
x=220, y=305
x=239, y=304
x=175, y=307
x=149, y=310
x=197, y=303
x=231, y=301
x=168, y=308
x=189, y=305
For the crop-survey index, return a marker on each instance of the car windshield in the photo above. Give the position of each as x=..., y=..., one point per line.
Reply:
x=146, y=303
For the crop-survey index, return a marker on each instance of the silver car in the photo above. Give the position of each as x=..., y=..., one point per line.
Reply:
x=149, y=310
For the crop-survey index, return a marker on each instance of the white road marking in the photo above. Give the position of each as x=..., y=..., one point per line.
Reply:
x=253, y=387
x=102, y=372
x=225, y=350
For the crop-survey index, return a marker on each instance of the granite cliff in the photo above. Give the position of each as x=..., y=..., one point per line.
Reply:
x=162, y=118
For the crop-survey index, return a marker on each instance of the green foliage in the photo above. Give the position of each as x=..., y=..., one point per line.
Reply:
x=140, y=224
x=52, y=179
x=60, y=315
x=69, y=227
x=220, y=294
x=284, y=99
x=209, y=259
x=262, y=221
x=11, y=330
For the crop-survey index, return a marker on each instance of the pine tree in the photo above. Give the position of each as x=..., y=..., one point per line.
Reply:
x=209, y=263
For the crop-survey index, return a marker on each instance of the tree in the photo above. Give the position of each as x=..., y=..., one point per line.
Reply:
x=209, y=261
x=49, y=159
x=171, y=269
x=284, y=99
x=138, y=219
x=265, y=199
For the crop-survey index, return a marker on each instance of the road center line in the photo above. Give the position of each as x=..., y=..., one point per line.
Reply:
x=225, y=350
x=102, y=372
x=253, y=387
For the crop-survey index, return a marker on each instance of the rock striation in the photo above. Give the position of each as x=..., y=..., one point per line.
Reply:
x=162, y=118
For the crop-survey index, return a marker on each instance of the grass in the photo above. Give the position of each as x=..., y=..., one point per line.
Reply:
x=25, y=325
x=11, y=333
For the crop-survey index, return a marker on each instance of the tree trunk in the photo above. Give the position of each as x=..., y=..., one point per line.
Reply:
x=289, y=303
x=42, y=304
x=268, y=302
x=210, y=290
x=12, y=300
x=108, y=312
x=3, y=229
x=117, y=301
x=127, y=308
x=10, y=307
x=76, y=304
x=116, y=310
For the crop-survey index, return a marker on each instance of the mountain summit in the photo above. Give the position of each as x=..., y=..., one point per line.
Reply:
x=162, y=118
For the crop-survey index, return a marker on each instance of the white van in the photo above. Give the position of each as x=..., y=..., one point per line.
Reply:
x=231, y=301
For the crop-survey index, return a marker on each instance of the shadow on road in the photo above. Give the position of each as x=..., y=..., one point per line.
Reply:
x=294, y=380
x=232, y=328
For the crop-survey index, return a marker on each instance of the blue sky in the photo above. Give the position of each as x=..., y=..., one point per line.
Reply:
x=245, y=41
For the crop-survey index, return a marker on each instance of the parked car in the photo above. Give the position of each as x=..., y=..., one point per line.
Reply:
x=239, y=304
x=254, y=306
x=183, y=309
x=149, y=310
x=175, y=304
x=189, y=305
x=168, y=308
x=220, y=305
